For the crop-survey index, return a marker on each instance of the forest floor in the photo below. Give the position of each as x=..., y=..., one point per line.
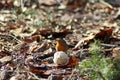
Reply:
x=28, y=33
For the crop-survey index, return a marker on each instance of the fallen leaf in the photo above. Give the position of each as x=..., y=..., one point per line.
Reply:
x=61, y=34
x=74, y=4
x=49, y=32
x=12, y=26
x=33, y=38
x=36, y=71
x=5, y=59
x=37, y=38
x=44, y=46
x=73, y=61
x=44, y=32
x=38, y=68
x=104, y=35
x=6, y=3
x=23, y=31
x=27, y=40
x=48, y=2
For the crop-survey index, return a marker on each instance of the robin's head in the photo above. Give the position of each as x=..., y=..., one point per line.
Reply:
x=58, y=39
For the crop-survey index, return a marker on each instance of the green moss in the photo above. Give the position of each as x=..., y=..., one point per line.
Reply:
x=98, y=67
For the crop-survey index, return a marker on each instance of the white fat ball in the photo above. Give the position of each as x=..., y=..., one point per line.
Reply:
x=61, y=58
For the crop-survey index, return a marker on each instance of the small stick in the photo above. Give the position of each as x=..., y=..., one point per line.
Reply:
x=108, y=45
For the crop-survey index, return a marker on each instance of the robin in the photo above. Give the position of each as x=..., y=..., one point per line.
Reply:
x=61, y=45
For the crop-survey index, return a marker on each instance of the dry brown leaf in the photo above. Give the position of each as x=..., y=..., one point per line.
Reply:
x=39, y=69
x=12, y=26
x=74, y=4
x=73, y=61
x=49, y=32
x=33, y=38
x=44, y=32
x=6, y=3
x=44, y=46
x=27, y=40
x=36, y=38
x=61, y=34
x=103, y=35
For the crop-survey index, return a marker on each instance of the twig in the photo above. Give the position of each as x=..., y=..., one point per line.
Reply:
x=106, y=4
x=108, y=45
x=79, y=51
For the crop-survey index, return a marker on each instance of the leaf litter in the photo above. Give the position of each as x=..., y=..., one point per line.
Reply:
x=27, y=39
